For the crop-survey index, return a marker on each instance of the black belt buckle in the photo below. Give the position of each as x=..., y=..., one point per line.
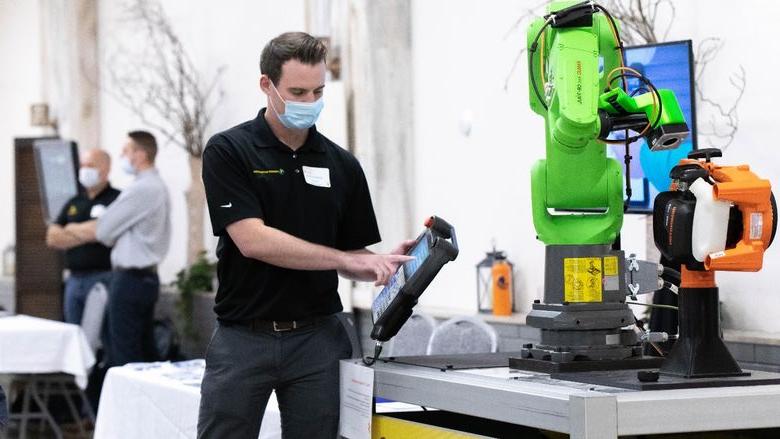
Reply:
x=284, y=326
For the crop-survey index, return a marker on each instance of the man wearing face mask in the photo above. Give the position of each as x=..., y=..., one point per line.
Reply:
x=87, y=262
x=137, y=226
x=291, y=209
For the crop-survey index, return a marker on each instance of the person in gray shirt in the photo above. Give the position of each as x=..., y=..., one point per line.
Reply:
x=137, y=227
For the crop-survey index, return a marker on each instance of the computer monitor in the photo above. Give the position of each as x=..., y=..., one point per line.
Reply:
x=670, y=66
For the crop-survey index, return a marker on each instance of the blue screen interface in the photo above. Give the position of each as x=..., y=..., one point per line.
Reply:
x=420, y=253
x=666, y=66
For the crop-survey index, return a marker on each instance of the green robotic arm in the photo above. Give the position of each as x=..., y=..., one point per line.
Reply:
x=575, y=74
x=577, y=53
x=620, y=111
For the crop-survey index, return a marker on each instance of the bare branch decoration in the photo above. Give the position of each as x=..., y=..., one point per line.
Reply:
x=527, y=17
x=723, y=122
x=160, y=84
x=164, y=85
x=639, y=27
x=640, y=19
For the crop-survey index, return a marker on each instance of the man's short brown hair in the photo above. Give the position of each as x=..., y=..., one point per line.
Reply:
x=290, y=45
x=145, y=141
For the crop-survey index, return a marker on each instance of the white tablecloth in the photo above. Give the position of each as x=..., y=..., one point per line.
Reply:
x=160, y=400
x=35, y=345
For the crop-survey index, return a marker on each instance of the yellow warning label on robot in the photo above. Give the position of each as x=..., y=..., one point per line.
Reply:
x=610, y=266
x=582, y=279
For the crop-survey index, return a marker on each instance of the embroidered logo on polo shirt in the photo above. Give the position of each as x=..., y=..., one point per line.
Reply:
x=279, y=171
x=72, y=210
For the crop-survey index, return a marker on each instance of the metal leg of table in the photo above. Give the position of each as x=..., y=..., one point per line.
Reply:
x=42, y=426
x=32, y=394
x=62, y=384
x=45, y=414
x=74, y=413
x=88, y=407
x=593, y=417
x=24, y=416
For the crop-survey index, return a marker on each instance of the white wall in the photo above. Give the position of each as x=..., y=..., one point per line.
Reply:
x=481, y=182
x=20, y=86
x=751, y=300
x=462, y=52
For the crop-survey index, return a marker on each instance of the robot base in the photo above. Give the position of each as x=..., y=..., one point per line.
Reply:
x=539, y=360
x=699, y=351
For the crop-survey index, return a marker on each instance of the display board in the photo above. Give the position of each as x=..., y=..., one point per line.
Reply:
x=57, y=164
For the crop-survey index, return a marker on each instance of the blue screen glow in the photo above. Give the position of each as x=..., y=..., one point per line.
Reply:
x=666, y=66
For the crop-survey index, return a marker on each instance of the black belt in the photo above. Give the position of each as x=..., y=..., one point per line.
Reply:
x=152, y=269
x=89, y=271
x=277, y=326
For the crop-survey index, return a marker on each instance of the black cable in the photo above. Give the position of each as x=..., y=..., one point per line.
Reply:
x=627, y=161
x=614, y=26
x=647, y=82
x=653, y=305
x=619, y=46
x=531, y=51
x=773, y=203
x=535, y=44
x=627, y=157
x=654, y=90
x=369, y=361
x=674, y=274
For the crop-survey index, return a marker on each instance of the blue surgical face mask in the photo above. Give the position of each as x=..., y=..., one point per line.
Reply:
x=298, y=115
x=89, y=177
x=127, y=166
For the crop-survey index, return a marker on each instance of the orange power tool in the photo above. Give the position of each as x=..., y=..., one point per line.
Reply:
x=713, y=218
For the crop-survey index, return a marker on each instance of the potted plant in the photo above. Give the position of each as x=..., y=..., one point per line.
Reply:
x=196, y=279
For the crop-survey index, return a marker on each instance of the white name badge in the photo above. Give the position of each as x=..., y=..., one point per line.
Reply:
x=317, y=176
x=97, y=211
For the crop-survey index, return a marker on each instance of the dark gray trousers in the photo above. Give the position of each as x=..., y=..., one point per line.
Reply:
x=244, y=366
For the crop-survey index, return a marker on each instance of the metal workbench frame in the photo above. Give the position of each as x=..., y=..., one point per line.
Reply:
x=581, y=410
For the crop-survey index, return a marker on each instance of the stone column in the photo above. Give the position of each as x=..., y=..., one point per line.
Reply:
x=69, y=30
x=378, y=78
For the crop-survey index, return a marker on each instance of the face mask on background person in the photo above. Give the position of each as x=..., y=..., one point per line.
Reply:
x=89, y=177
x=298, y=115
x=127, y=166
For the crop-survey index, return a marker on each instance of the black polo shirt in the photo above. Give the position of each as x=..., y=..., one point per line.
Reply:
x=93, y=256
x=317, y=193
